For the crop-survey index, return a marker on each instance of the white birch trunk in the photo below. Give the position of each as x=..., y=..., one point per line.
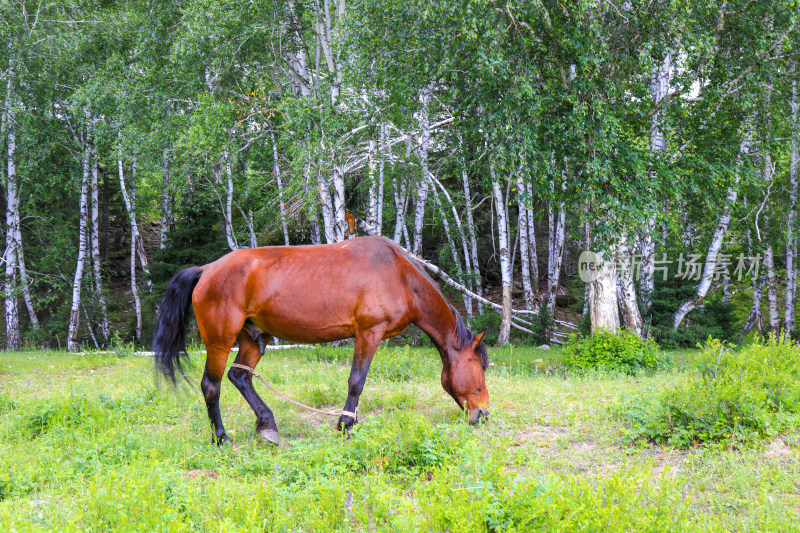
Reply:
x=326, y=205
x=230, y=235
x=13, y=337
x=453, y=251
x=24, y=280
x=627, y=288
x=276, y=169
x=372, y=212
x=791, y=239
x=12, y=195
x=95, y=248
x=659, y=88
x=473, y=265
x=772, y=291
x=340, y=227
x=716, y=242
x=400, y=192
x=754, y=319
x=462, y=238
x=313, y=217
x=75, y=311
x=555, y=248
x=130, y=208
x=381, y=169
x=166, y=204
x=473, y=243
x=422, y=191
x=505, y=265
x=534, y=257
x=602, y=300
x=524, y=252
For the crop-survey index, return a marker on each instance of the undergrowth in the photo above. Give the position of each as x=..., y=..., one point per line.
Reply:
x=733, y=398
x=622, y=351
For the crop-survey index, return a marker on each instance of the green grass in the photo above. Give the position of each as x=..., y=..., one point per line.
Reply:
x=95, y=443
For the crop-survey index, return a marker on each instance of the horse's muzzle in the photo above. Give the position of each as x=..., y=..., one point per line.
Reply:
x=478, y=415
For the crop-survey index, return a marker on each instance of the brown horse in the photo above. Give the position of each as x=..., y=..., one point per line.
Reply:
x=368, y=288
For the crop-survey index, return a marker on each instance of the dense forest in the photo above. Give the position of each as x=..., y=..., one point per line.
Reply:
x=496, y=141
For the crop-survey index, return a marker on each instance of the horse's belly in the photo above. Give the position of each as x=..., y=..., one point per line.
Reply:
x=301, y=322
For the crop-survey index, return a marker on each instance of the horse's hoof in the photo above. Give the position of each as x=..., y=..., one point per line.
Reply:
x=271, y=436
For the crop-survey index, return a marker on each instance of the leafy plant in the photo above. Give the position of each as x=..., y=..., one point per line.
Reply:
x=734, y=398
x=622, y=351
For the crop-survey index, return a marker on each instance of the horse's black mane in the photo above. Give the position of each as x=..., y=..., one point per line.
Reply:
x=463, y=334
x=466, y=337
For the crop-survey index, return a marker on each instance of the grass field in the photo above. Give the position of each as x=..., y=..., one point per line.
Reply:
x=92, y=442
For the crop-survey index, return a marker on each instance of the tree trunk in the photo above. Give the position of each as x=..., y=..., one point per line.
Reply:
x=95, y=248
x=716, y=242
x=659, y=88
x=130, y=207
x=772, y=291
x=603, y=305
x=627, y=288
x=372, y=212
x=13, y=337
x=505, y=265
x=340, y=227
x=524, y=235
x=422, y=190
x=474, y=268
x=557, y=237
x=276, y=169
x=791, y=239
x=166, y=204
x=230, y=235
x=453, y=250
x=381, y=170
x=464, y=247
x=75, y=312
x=326, y=205
x=533, y=260
x=400, y=192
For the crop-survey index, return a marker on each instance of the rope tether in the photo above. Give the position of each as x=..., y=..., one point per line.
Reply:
x=336, y=412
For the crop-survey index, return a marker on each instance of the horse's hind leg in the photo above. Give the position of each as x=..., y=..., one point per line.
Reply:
x=216, y=360
x=249, y=355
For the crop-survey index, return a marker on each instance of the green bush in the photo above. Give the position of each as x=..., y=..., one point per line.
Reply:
x=620, y=351
x=733, y=399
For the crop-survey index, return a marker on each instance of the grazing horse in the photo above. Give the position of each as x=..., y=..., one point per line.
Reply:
x=368, y=288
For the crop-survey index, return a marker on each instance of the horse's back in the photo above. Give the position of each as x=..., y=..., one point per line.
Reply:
x=310, y=293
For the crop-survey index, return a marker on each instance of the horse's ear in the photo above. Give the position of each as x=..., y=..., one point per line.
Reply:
x=478, y=339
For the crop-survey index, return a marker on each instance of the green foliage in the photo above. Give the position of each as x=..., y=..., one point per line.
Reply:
x=713, y=319
x=543, y=324
x=621, y=351
x=736, y=397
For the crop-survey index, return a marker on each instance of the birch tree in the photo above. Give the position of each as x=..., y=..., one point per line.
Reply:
x=505, y=264
x=791, y=220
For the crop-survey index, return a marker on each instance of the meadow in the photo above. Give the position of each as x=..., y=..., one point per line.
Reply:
x=95, y=442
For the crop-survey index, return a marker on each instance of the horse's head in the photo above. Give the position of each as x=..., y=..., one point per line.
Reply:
x=463, y=375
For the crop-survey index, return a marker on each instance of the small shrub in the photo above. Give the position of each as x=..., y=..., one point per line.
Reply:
x=608, y=351
x=120, y=348
x=543, y=323
x=734, y=398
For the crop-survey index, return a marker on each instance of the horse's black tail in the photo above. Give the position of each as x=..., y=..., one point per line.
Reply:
x=169, y=341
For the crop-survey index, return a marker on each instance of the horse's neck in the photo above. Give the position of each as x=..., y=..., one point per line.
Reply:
x=435, y=317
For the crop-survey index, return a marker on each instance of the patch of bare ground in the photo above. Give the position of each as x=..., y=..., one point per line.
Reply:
x=198, y=473
x=779, y=450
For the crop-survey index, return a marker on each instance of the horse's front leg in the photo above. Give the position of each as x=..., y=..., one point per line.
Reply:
x=249, y=355
x=366, y=344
